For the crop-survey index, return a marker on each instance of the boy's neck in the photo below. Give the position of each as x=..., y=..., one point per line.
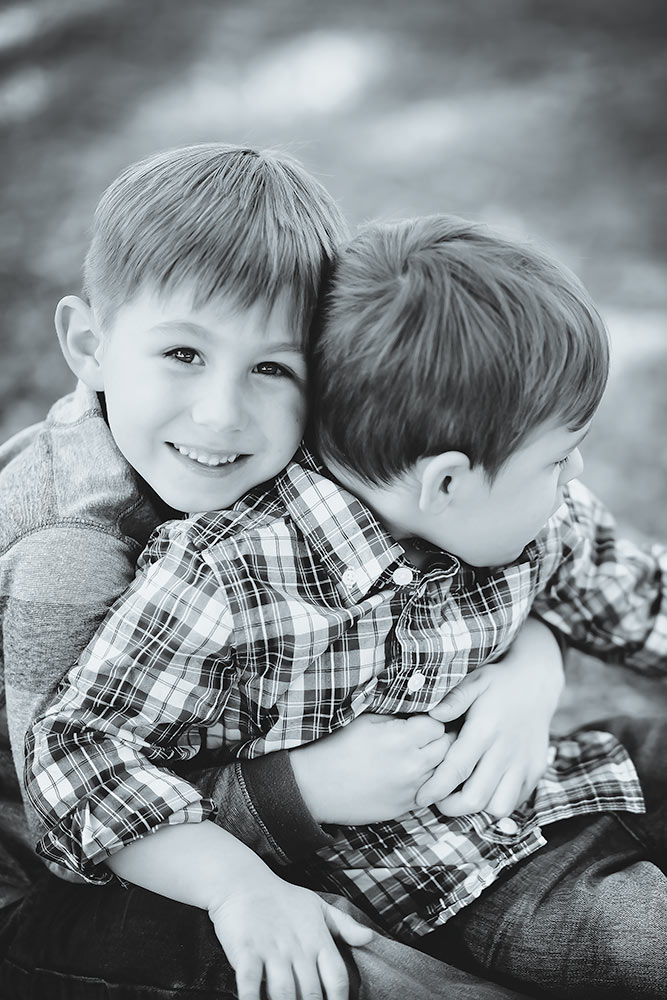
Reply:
x=417, y=554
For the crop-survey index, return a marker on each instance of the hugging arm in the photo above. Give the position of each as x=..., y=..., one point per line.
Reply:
x=379, y=767
x=97, y=771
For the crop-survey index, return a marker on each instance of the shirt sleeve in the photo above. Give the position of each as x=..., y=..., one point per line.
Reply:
x=607, y=595
x=160, y=666
x=58, y=584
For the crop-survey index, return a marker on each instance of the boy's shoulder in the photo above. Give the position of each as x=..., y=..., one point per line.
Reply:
x=254, y=518
x=302, y=522
x=67, y=470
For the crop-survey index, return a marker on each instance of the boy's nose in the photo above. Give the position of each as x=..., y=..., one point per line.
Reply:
x=221, y=408
x=574, y=467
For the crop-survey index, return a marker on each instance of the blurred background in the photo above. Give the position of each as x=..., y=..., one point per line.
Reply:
x=545, y=117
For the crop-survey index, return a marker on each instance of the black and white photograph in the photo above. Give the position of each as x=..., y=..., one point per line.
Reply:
x=333, y=500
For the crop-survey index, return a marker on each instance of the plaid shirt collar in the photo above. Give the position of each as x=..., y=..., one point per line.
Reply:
x=345, y=534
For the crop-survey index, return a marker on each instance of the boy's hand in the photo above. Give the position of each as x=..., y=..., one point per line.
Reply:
x=279, y=939
x=370, y=770
x=502, y=747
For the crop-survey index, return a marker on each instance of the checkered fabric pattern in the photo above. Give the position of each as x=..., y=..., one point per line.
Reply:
x=273, y=624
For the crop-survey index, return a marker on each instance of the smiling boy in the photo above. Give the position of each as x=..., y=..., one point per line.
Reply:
x=194, y=392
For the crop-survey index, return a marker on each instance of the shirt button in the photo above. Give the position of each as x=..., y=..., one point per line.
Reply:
x=349, y=578
x=416, y=681
x=507, y=825
x=402, y=576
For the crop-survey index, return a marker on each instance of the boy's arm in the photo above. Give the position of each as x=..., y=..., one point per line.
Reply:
x=151, y=676
x=58, y=583
x=155, y=672
x=277, y=936
x=605, y=594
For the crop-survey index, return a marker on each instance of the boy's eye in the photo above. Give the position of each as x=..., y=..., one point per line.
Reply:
x=272, y=368
x=186, y=355
x=562, y=462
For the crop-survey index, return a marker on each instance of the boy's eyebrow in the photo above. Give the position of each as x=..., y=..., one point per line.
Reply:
x=187, y=326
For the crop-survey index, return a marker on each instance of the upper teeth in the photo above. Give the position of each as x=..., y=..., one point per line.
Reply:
x=203, y=458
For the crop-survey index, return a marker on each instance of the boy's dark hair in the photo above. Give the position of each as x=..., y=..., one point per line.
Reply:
x=247, y=223
x=435, y=335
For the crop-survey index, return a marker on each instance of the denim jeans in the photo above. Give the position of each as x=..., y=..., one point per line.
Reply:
x=586, y=916
x=68, y=942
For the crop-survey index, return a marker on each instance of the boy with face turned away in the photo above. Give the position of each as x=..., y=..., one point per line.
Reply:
x=454, y=376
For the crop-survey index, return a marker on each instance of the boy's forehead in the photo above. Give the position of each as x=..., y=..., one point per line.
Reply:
x=556, y=436
x=186, y=308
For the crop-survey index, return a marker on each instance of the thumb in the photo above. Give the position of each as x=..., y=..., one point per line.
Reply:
x=457, y=702
x=346, y=927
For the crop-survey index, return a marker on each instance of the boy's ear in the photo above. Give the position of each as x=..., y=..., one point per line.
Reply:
x=441, y=476
x=80, y=340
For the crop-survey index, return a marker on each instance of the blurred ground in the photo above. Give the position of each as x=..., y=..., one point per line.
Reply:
x=546, y=118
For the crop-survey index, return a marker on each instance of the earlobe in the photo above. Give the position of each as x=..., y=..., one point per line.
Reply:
x=440, y=480
x=80, y=340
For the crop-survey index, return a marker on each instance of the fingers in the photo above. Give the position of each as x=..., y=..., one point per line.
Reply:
x=509, y=794
x=333, y=974
x=344, y=925
x=493, y=787
x=280, y=983
x=310, y=984
x=476, y=790
x=299, y=978
x=457, y=766
x=249, y=976
x=422, y=729
x=460, y=698
x=433, y=754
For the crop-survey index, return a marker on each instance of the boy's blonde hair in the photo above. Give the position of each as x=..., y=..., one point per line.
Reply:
x=228, y=219
x=438, y=335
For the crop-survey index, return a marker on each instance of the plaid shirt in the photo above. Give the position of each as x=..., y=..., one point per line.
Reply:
x=272, y=624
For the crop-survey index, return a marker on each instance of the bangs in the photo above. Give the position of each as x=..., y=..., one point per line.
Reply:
x=225, y=220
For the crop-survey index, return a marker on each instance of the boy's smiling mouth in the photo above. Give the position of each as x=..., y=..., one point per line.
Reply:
x=210, y=460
